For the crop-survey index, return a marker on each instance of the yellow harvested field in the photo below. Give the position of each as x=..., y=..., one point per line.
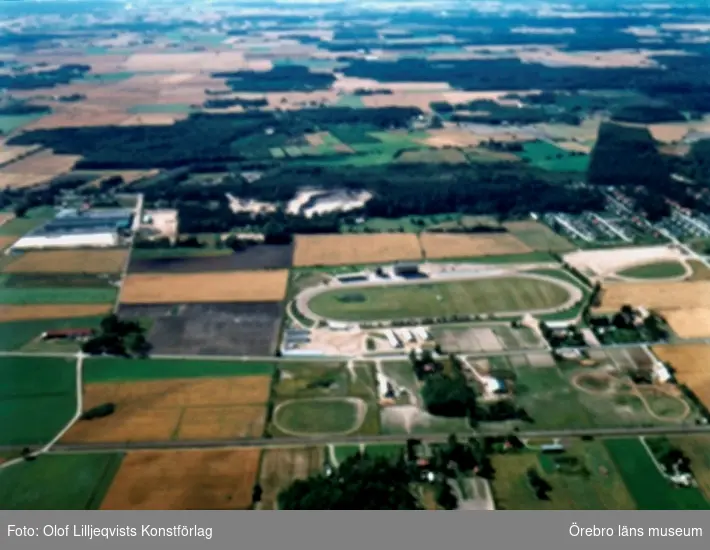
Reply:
x=657, y=295
x=350, y=84
x=690, y=322
x=312, y=250
x=20, y=181
x=178, y=408
x=194, y=61
x=234, y=286
x=184, y=480
x=9, y=153
x=153, y=119
x=6, y=241
x=77, y=118
x=51, y=311
x=280, y=467
x=451, y=245
x=70, y=261
x=575, y=146
x=35, y=168
x=691, y=364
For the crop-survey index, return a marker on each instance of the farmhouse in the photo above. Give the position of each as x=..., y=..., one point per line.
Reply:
x=661, y=373
x=68, y=334
x=72, y=228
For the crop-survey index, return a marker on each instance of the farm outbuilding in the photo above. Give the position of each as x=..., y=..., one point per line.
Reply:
x=98, y=240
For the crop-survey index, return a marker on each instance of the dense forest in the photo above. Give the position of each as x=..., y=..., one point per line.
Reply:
x=282, y=78
x=647, y=114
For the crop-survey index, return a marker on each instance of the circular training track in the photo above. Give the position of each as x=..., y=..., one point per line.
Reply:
x=574, y=293
x=360, y=407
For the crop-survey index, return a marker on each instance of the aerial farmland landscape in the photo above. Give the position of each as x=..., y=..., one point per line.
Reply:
x=354, y=255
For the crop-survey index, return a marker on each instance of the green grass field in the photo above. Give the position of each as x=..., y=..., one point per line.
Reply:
x=178, y=252
x=59, y=482
x=647, y=486
x=31, y=296
x=316, y=416
x=17, y=227
x=350, y=100
x=311, y=380
x=540, y=237
x=37, y=398
x=122, y=370
x=44, y=280
x=17, y=334
x=550, y=157
x=390, y=451
x=493, y=295
x=9, y=123
x=160, y=108
x=657, y=270
x=598, y=485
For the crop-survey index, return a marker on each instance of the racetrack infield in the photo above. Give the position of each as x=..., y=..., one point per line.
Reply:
x=493, y=295
x=181, y=408
x=184, y=480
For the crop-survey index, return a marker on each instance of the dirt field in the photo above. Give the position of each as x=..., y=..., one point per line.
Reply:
x=575, y=146
x=689, y=323
x=609, y=261
x=596, y=59
x=6, y=241
x=238, y=286
x=184, y=480
x=195, y=61
x=8, y=153
x=441, y=245
x=663, y=296
x=690, y=364
x=76, y=118
x=35, y=168
x=178, y=408
x=279, y=467
x=255, y=257
x=211, y=329
x=314, y=250
x=6, y=217
x=70, y=261
x=28, y=313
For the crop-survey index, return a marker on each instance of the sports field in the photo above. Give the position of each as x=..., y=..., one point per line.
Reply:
x=313, y=250
x=647, y=486
x=505, y=294
x=449, y=245
x=184, y=480
x=691, y=365
x=590, y=482
x=59, y=482
x=657, y=270
x=326, y=415
x=280, y=467
x=37, y=398
x=235, y=286
x=69, y=261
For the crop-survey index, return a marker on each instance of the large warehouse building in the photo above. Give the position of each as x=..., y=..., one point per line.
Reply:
x=72, y=228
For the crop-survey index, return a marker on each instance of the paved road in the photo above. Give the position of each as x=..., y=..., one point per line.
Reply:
x=365, y=439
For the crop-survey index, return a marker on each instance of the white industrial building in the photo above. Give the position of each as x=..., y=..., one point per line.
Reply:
x=79, y=240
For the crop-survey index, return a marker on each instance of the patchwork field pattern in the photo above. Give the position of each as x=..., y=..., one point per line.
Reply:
x=70, y=261
x=184, y=480
x=238, y=286
x=440, y=245
x=690, y=365
x=179, y=408
x=312, y=250
x=280, y=467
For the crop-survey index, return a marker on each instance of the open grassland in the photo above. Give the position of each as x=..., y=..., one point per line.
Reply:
x=312, y=250
x=539, y=237
x=661, y=295
x=697, y=449
x=281, y=467
x=59, y=482
x=180, y=408
x=691, y=366
x=38, y=296
x=11, y=313
x=124, y=370
x=551, y=157
x=647, y=486
x=37, y=398
x=478, y=296
x=656, y=270
x=597, y=485
x=16, y=334
x=435, y=156
x=442, y=245
x=237, y=286
x=70, y=261
x=184, y=480
x=690, y=322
